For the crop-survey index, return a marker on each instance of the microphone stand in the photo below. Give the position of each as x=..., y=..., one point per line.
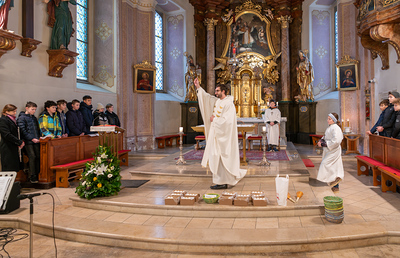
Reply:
x=31, y=227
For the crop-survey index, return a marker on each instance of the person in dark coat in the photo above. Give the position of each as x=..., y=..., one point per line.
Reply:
x=99, y=117
x=75, y=120
x=61, y=109
x=86, y=110
x=30, y=134
x=396, y=127
x=111, y=116
x=386, y=127
x=9, y=144
x=383, y=105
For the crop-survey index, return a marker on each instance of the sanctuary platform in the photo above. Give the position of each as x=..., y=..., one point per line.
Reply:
x=138, y=221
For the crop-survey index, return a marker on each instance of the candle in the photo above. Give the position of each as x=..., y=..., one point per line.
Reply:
x=268, y=103
x=264, y=129
x=348, y=122
x=234, y=50
x=181, y=129
x=258, y=103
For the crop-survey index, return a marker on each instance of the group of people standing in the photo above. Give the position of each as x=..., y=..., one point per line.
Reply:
x=23, y=133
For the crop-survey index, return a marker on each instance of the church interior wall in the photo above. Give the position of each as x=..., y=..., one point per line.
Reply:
x=25, y=79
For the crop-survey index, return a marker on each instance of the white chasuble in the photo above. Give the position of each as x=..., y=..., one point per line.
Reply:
x=272, y=115
x=222, y=148
x=331, y=165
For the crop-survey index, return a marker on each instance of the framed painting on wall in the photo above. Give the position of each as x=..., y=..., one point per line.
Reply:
x=144, y=78
x=347, y=74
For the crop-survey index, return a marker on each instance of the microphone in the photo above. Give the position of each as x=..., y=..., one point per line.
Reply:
x=24, y=196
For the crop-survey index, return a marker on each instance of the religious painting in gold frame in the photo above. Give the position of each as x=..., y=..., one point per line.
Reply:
x=347, y=74
x=249, y=33
x=144, y=78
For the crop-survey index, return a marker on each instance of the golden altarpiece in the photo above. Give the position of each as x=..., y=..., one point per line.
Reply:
x=248, y=58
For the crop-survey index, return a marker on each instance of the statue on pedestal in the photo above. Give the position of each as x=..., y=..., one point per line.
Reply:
x=5, y=6
x=60, y=19
x=192, y=73
x=305, y=77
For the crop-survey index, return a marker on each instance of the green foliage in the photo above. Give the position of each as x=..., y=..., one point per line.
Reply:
x=102, y=176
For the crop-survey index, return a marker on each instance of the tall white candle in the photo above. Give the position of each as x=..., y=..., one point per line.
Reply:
x=181, y=129
x=264, y=128
x=258, y=103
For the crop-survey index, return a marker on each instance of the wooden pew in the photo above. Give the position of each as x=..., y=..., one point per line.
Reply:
x=391, y=171
x=376, y=158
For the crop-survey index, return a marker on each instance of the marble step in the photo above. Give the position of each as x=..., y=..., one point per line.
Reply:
x=76, y=224
x=201, y=209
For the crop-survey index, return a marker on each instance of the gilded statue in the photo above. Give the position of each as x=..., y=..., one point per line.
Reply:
x=224, y=76
x=270, y=72
x=192, y=73
x=305, y=77
x=267, y=94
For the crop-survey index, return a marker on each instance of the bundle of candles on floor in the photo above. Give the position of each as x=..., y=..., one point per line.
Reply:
x=299, y=194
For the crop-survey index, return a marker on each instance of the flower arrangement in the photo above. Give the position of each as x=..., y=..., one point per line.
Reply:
x=101, y=177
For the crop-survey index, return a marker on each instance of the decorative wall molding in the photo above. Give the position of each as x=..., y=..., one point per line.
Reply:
x=103, y=31
x=174, y=20
x=321, y=52
x=28, y=46
x=104, y=77
x=175, y=53
x=320, y=16
x=143, y=5
x=377, y=49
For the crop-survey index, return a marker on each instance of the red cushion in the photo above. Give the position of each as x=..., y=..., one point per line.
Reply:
x=161, y=137
x=316, y=135
x=371, y=161
x=308, y=163
x=73, y=163
x=240, y=136
x=391, y=170
x=254, y=137
x=200, y=137
x=123, y=151
x=168, y=136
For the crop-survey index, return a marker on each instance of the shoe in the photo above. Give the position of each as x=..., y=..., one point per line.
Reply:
x=269, y=149
x=337, y=181
x=219, y=186
x=335, y=189
x=275, y=149
x=34, y=180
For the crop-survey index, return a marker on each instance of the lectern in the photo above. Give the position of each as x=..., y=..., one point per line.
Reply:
x=109, y=136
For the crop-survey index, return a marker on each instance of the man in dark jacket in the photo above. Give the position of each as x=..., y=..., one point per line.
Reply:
x=385, y=128
x=61, y=109
x=75, y=121
x=383, y=105
x=30, y=134
x=396, y=127
x=86, y=110
x=111, y=116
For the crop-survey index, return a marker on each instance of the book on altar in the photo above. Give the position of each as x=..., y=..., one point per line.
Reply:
x=103, y=128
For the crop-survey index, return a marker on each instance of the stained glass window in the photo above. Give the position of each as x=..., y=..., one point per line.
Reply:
x=159, y=51
x=82, y=39
x=336, y=45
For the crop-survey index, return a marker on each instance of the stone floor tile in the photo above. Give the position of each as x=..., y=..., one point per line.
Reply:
x=178, y=222
x=157, y=221
x=353, y=218
x=200, y=223
x=222, y=223
x=137, y=219
x=311, y=221
x=289, y=222
x=248, y=223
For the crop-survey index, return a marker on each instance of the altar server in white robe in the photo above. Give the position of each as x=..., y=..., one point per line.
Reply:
x=222, y=149
x=272, y=118
x=331, y=168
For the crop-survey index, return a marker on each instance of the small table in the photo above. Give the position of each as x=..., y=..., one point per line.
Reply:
x=241, y=128
x=352, y=143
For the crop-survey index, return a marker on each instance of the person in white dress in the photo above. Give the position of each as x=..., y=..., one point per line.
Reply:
x=222, y=149
x=331, y=168
x=272, y=118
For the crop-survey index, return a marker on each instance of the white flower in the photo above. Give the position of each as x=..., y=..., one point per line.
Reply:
x=99, y=159
x=103, y=156
x=101, y=169
x=109, y=175
x=84, y=183
x=112, y=168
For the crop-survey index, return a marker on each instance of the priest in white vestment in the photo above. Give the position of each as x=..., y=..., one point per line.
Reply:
x=331, y=168
x=272, y=118
x=222, y=148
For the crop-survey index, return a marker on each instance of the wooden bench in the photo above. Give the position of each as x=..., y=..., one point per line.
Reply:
x=199, y=138
x=69, y=171
x=123, y=157
x=167, y=140
x=390, y=177
x=374, y=161
x=389, y=174
x=250, y=139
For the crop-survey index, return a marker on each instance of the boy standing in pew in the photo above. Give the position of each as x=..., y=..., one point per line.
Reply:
x=388, y=119
x=75, y=120
x=29, y=131
x=396, y=127
x=383, y=105
x=48, y=121
x=61, y=109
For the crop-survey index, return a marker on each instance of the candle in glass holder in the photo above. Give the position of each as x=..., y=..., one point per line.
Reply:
x=264, y=128
x=181, y=129
x=348, y=122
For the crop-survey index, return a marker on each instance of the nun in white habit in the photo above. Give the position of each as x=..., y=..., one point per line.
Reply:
x=331, y=168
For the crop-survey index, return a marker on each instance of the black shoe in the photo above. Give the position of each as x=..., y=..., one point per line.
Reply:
x=275, y=149
x=34, y=180
x=219, y=186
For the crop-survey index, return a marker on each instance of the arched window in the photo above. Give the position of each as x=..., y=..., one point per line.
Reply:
x=336, y=44
x=82, y=39
x=159, y=50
